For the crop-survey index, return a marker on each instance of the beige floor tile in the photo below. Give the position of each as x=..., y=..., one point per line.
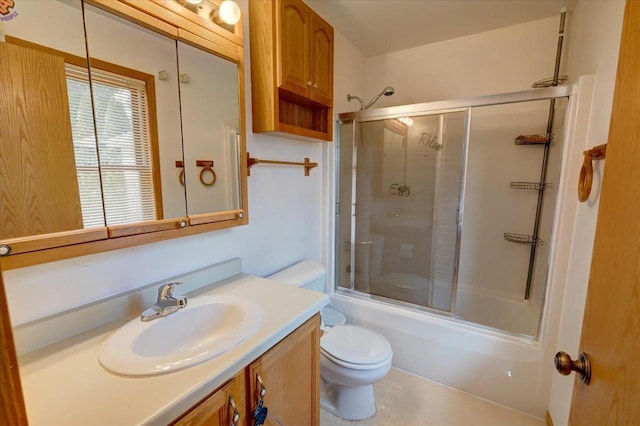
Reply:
x=403, y=399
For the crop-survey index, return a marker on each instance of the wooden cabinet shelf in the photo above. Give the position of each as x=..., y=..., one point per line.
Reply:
x=291, y=70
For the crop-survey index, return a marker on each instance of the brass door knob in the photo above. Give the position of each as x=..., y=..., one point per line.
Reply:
x=565, y=365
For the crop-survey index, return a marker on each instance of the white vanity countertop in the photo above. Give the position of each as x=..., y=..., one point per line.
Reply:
x=63, y=384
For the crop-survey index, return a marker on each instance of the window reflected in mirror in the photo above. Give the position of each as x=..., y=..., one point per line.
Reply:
x=134, y=74
x=47, y=134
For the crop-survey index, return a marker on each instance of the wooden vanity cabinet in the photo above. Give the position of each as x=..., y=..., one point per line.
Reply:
x=290, y=373
x=216, y=409
x=291, y=69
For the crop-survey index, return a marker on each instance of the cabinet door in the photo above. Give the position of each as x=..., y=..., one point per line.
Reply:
x=321, y=55
x=216, y=409
x=290, y=372
x=293, y=38
x=39, y=186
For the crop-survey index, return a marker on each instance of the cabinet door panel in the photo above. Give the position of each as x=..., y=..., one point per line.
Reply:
x=294, y=47
x=290, y=372
x=215, y=410
x=321, y=55
x=37, y=151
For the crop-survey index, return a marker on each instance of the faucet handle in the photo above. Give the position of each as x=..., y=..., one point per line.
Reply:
x=166, y=291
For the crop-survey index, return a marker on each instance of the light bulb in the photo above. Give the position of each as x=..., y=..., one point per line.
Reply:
x=194, y=1
x=229, y=12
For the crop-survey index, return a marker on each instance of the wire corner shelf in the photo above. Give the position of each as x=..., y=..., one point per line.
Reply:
x=531, y=186
x=523, y=239
x=533, y=140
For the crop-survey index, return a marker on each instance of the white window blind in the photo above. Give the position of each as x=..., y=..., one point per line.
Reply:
x=124, y=147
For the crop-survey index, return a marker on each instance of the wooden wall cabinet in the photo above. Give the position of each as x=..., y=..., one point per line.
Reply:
x=290, y=372
x=291, y=69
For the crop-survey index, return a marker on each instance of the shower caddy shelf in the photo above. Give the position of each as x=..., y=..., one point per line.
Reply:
x=533, y=140
x=531, y=186
x=543, y=140
x=523, y=239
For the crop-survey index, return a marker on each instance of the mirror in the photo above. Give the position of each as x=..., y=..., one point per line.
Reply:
x=92, y=149
x=394, y=156
x=210, y=129
x=134, y=74
x=49, y=179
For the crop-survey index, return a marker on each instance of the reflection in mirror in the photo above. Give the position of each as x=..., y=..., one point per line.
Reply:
x=134, y=74
x=402, y=243
x=49, y=179
x=210, y=126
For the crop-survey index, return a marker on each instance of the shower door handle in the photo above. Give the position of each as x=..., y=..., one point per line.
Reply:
x=565, y=365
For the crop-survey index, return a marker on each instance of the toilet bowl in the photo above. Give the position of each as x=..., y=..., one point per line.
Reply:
x=352, y=358
x=402, y=286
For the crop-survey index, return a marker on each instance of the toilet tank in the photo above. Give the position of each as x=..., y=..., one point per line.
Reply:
x=307, y=273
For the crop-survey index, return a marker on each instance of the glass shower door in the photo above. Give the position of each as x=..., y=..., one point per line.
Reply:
x=400, y=185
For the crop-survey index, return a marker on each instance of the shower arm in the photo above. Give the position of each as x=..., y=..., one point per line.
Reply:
x=372, y=101
x=349, y=97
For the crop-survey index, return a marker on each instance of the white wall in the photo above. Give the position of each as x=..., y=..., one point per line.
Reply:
x=286, y=224
x=503, y=60
x=593, y=46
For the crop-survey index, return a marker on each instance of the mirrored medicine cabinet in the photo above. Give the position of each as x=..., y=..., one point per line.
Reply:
x=122, y=124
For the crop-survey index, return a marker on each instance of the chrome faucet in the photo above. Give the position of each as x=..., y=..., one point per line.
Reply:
x=166, y=304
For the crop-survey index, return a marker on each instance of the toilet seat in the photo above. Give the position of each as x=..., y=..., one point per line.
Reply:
x=356, y=347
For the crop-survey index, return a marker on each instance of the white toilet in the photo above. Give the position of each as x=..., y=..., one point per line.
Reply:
x=352, y=357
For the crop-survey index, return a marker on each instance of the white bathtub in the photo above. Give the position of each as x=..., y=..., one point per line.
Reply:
x=493, y=310
x=491, y=365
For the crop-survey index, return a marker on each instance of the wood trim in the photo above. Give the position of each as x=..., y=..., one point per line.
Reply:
x=55, y=239
x=12, y=409
x=264, y=100
x=244, y=170
x=203, y=218
x=76, y=250
x=133, y=14
x=231, y=53
x=125, y=230
x=173, y=12
x=68, y=57
x=548, y=419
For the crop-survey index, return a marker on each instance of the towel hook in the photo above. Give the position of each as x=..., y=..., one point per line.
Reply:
x=207, y=166
x=585, y=180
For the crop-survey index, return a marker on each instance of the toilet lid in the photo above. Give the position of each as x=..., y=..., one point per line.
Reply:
x=355, y=345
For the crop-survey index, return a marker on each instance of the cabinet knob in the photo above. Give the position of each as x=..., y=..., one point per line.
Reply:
x=315, y=86
x=5, y=250
x=309, y=83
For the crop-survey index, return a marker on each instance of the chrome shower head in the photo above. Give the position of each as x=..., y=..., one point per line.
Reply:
x=387, y=91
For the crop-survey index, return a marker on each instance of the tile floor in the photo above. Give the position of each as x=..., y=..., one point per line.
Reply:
x=404, y=399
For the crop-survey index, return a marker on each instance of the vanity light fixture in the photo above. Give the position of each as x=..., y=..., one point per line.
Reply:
x=228, y=12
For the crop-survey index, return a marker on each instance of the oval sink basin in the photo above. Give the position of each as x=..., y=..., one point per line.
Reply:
x=207, y=327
